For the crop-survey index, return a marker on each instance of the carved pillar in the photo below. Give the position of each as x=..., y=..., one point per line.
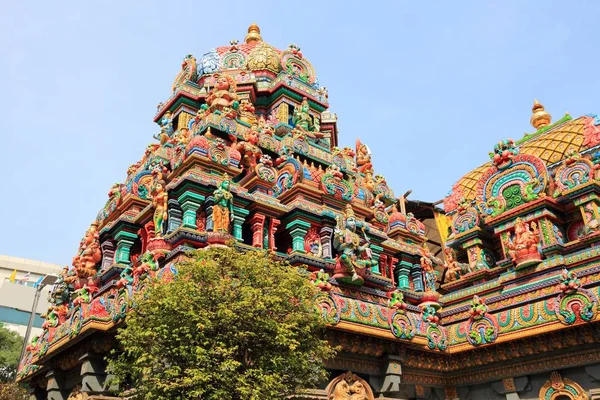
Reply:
x=392, y=377
x=190, y=203
x=298, y=229
x=124, y=242
x=257, y=224
x=391, y=265
x=273, y=225
x=108, y=254
x=174, y=215
x=238, y=220
x=56, y=389
x=473, y=248
x=403, y=273
x=93, y=374
x=383, y=260
x=208, y=204
x=376, y=250
x=417, y=278
x=326, y=233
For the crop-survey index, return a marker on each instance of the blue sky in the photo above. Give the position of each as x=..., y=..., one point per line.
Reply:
x=429, y=86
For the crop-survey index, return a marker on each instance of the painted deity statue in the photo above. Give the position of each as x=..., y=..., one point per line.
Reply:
x=223, y=95
x=166, y=128
x=523, y=248
x=302, y=118
x=248, y=148
x=159, y=202
x=453, y=268
x=223, y=208
x=352, y=255
x=363, y=157
x=89, y=253
x=429, y=276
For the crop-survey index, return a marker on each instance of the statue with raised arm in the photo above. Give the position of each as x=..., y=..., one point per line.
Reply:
x=354, y=252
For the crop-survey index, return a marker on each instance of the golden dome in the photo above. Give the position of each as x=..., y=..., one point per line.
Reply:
x=253, y=34
x=264, y=56
x=551, y=146
x=540, y=117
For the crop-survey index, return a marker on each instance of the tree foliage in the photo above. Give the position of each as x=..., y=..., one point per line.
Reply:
x=12, y=391
x=10, y=350
x=231, y=325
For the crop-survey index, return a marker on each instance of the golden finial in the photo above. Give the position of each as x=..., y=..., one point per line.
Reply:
x=253, y=34
x=540, y=117
x=348, y=211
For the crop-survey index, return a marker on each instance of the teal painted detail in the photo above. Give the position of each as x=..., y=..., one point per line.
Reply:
x=124, y=242
x=298, y=229
x=13, y=316
x=190, y=202
x=377, y=250
x=404, y=270
x=240, y=215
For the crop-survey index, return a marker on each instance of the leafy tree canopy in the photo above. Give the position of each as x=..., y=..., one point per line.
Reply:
x=10, y=350
x=231, y=325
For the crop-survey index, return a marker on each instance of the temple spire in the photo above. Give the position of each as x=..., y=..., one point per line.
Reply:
x=253, y=34
x=540, y=117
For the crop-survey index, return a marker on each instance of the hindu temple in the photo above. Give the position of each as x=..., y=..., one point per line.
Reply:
x=490, y=294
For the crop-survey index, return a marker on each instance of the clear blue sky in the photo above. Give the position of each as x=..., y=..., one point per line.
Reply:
x=430, y=86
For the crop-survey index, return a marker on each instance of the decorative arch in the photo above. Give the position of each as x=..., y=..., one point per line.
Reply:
x=557, y=388
x=349, y=386
x=501, y=189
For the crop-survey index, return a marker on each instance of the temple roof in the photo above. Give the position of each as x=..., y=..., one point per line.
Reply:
x=551, y=143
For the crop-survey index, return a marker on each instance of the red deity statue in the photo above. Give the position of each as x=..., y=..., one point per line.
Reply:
x=223, y=95
x=523, y=248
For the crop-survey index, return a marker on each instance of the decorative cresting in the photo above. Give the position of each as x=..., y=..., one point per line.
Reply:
x=402, y=324
x=437, y=338
x=188, y=72
x=574, y=171
x=574, y=304
x=558, y=387
x=513, y=180
x=481, y=328
x=349, y=386
x=466, y=217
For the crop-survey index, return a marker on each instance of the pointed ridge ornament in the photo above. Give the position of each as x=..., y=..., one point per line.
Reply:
x=540, y=117
x=253, y=34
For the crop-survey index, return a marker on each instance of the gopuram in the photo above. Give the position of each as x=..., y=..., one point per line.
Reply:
x=499, y=302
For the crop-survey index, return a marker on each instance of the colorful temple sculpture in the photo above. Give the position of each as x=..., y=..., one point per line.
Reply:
x=500, y=302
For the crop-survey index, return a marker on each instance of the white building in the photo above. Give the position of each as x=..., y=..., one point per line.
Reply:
x=16, y=298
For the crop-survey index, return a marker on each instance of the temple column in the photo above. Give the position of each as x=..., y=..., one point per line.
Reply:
x=326, y=233
x=403, y=273
x=108, y=254
x=417, y=278
x=37, y=393
x=208, y=204
x=55, y=388
x=298, y=229
x=391, y=265
x=174, y=215
x=383, y=259
x=124, y=242
x=392, y=377
x=190, y=203
x=93, y=373
x=273, y=225
x=257, y=224
x=376, y=250
x=473, y=248
x=240, y=215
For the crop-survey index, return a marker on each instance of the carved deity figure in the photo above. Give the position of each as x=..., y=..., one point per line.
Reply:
x=363, y=157
x=223, y=208
x=453, y=268
x=524, y=245
x=429, y=276
x=302, y=118
x=166, y=128
x=478, y=308
x=352, y=254
x=223, y=95
x=62, y=292
x=247, y=112
x=89, y=253
x=248, y=148
x=159, y=202
x=265, y=127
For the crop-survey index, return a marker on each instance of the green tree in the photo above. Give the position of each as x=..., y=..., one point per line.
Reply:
x=231, y=325
x=10, y=350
